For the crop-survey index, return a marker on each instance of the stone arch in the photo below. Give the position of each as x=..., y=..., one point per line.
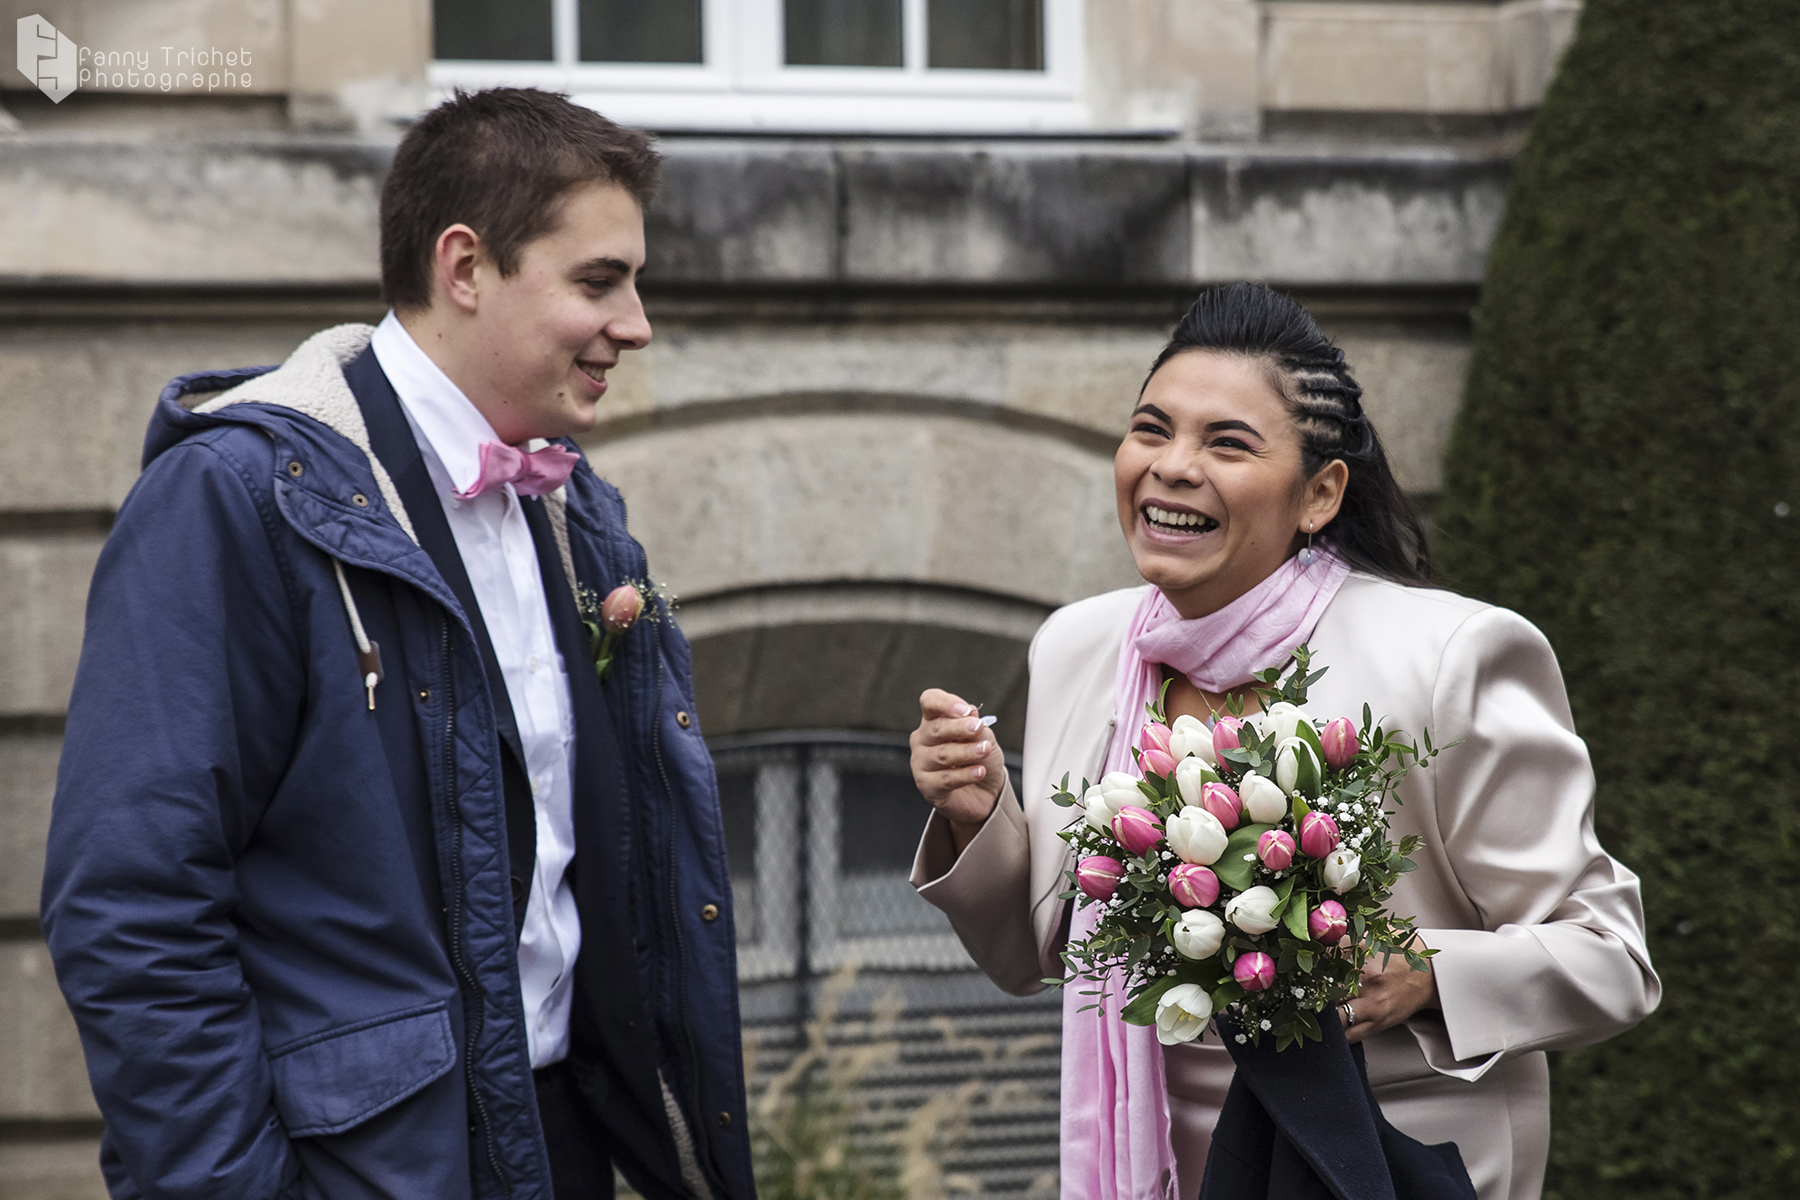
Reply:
x=834, y=560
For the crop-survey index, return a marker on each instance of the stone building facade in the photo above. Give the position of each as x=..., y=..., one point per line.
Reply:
x=901, y=311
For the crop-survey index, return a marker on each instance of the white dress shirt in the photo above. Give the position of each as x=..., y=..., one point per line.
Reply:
x=496, y=548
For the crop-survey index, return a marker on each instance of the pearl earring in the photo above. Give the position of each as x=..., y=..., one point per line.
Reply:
x=1306, y=554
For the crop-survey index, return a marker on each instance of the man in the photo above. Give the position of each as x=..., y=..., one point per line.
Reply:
x=364, y=880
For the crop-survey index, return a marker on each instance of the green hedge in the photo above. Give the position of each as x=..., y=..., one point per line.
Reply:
x=1626, y=473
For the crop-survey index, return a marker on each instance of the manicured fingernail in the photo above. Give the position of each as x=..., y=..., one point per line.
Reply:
x=978, y=772
x=963, y=710
x=971, y=726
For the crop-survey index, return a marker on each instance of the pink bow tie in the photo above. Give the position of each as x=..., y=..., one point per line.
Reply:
x=532, y=473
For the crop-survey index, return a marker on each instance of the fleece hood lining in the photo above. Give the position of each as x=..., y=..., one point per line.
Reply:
x=311, y=383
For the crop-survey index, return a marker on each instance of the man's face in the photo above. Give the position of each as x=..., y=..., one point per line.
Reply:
x=544, y=337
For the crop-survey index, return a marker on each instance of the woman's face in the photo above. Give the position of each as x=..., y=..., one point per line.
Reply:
x=1210, y=493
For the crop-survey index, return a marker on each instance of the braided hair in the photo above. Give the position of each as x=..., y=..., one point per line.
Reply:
x=1376, y=528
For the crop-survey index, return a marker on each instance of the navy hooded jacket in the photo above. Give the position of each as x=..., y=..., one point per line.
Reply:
x=284, y=921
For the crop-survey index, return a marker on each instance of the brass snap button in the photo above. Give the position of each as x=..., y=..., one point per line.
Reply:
x=724, y=1120
x=295, y=469
x=709, y=913
x=360, y=500
x=683, y=720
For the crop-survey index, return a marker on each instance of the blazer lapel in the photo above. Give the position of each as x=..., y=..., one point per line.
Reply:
x=392, y=440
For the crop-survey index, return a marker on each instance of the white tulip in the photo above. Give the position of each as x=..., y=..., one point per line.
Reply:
x=1104, y=800
x=1196, y=836
x=1284, y=719
x=1182, y=1013
x=1188, y=736
x=1191, y=775
x=1287, y=761
x=1263, y=801
x=1249, y=910
x=1198, y=934
x=1342, y=870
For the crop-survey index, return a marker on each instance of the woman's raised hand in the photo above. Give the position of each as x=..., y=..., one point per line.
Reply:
x=956, y=763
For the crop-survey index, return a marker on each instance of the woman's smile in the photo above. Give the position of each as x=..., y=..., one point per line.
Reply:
x=1173, y=524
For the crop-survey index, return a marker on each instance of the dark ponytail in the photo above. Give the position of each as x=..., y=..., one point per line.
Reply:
x=1376, y=528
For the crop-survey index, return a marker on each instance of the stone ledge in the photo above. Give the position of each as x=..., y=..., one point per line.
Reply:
x=52, y=1170
x=27, y=783
x=43, y=1076
x=274, y=211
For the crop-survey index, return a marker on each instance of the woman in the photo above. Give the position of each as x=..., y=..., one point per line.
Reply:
x=1259, y=506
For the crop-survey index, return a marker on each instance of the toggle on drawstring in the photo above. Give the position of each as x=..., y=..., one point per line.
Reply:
x=368, y=654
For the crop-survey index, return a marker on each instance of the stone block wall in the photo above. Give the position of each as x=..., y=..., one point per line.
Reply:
x=870, y=446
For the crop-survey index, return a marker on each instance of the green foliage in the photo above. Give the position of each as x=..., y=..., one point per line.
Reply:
x=803, y=1133
x=1626, y=473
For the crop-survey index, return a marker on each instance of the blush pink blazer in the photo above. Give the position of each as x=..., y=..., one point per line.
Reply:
x=1540, y=932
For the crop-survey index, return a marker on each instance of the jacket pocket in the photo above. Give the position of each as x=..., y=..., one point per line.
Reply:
x=332, y=1081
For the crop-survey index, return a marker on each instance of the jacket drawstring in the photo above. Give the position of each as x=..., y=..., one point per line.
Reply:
x=368, y=654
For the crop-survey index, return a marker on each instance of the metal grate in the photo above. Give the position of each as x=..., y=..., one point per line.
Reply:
x=833, y=940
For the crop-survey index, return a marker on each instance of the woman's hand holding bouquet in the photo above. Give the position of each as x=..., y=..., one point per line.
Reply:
x=1247, y=869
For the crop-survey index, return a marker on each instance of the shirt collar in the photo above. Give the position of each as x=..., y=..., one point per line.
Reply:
x=442, y=414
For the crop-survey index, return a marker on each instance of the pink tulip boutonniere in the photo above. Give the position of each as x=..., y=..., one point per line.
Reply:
x=607, y=619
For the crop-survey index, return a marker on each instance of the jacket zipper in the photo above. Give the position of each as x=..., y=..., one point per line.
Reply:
x=696, y=1133
x=674, y=899
x=456, y=899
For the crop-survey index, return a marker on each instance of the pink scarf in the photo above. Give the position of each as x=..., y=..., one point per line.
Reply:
x=1115, y=1100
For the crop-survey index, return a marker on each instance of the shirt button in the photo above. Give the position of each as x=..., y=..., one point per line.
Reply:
x=532, y=663
x=709, y=913
x=683, y=720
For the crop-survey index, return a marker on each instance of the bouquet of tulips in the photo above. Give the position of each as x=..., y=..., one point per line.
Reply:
x=1248, y=867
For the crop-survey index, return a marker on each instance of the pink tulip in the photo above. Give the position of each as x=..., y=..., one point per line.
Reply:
x=1328, y=922
x=1223, y=803
x=1156, y=737
x=1099, y=876
x=1157, y=762
x=1136, y=828
x=1225, y=736
x=1254, y=971
x=620, y=608
x=1318, y=835
x=1339, y=741
x=1276, y=849
x=1193, y=886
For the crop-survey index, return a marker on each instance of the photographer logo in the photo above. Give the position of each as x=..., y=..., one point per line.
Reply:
x=46, y=57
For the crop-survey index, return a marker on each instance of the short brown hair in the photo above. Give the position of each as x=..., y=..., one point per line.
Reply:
x=498, y=161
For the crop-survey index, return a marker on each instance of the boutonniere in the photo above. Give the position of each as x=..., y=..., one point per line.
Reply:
x=608, y=620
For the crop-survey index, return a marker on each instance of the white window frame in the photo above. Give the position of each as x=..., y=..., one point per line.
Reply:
x=744, y=86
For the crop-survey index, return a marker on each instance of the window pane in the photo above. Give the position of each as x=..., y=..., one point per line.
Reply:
x=989, y=35
x=842, y=33
x=513, y=30
x=737, y=804
x=663, y=31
